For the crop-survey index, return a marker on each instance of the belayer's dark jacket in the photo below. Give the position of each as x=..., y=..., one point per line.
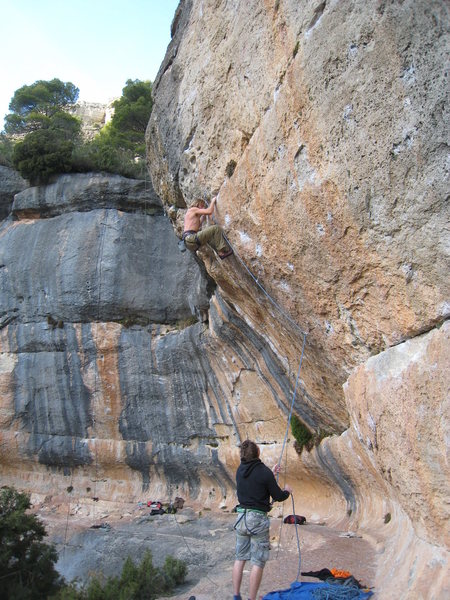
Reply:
x=256, y=484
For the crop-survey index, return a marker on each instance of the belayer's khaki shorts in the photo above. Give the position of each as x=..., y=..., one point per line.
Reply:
x=252, y=538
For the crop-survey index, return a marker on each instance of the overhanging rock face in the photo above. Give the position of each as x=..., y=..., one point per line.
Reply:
x=321, y=126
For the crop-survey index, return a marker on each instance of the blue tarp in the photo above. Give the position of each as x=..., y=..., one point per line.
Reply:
x=318, y=591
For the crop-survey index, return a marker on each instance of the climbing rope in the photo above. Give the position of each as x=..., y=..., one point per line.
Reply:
x=303, y=334
x=291, y=320
x=190, y=550
x=281, y=457
x=293, y=399
x=287, y=317
x=298, y=541
x=336, y=591
x=265, y=292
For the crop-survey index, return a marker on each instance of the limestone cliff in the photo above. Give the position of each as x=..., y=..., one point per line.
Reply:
x=322, y=128
x=94, y=294
x=129, y=370
x=10, y=184
x=93, y=115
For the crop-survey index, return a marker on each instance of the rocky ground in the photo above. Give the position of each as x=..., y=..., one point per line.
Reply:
x=205, y=540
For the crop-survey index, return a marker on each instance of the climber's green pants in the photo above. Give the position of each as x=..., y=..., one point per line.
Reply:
x=211, y=235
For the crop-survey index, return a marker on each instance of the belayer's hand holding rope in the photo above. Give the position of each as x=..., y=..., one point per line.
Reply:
x=276, y=470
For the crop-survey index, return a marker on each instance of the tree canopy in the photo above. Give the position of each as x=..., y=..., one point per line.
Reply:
x=27, y=564
x=48, y=132
x=131, y=114
x=43, y=153
x=33, y=105
x=132, y=110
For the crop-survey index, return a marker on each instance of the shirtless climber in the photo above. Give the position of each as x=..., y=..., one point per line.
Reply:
x=194, y=236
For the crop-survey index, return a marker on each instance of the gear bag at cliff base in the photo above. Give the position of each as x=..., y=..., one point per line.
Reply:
x=155, y=508
x=295, y=520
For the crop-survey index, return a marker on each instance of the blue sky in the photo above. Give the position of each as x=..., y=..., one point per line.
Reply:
x=95, y=44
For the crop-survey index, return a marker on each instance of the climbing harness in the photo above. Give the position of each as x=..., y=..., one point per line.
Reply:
x=243, y=512
x=187, y=234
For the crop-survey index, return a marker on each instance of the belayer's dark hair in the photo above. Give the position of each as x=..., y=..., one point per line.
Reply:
x=249, y=450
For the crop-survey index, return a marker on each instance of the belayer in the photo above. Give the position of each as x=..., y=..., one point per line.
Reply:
x=194, y=236
x=256, y=485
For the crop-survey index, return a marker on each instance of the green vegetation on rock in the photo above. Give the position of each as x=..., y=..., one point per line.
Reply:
x=304, y=438
x=120, y=145
x=27, y=564
x=302, y=434
x=136, y=582
x=42, y=138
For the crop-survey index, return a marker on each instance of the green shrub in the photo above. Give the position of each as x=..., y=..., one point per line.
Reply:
x=304, y=438
x=27, y=564
x=6, y=150
x=175, y=571
x=70, y=591
x=101, y=154
x=136, y=582
x=41, y=154
x=302, y=434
